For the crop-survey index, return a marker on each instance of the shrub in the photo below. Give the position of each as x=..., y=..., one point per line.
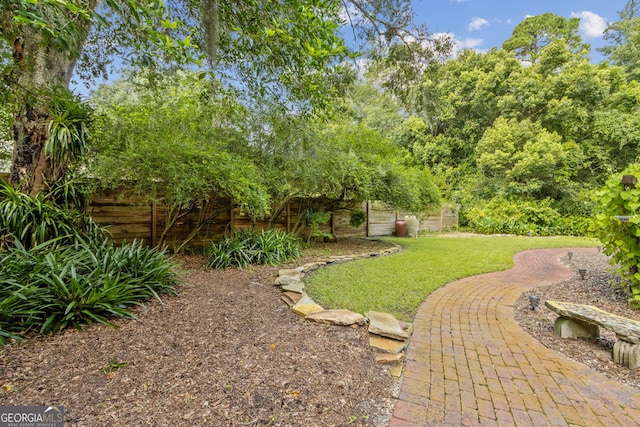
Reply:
x=51, y=286
x=617, y=226
x=245, y=247
x=523, y=217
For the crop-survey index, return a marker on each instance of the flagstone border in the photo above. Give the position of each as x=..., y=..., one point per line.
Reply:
x=387, y=335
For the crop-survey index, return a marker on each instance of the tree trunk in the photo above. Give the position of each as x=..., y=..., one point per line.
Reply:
x=38, y=67
x=30, y=167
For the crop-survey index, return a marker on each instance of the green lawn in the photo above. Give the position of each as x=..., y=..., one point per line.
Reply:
x=398, y=283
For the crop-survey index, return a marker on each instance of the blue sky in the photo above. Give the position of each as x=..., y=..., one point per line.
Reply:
x=483, y=24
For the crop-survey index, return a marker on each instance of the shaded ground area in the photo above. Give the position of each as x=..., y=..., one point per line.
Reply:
x=225, y=352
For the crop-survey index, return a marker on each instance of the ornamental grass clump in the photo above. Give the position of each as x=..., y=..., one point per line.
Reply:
x=246, y=247
x=52, y=287
x=28, y=221
x=58, y=270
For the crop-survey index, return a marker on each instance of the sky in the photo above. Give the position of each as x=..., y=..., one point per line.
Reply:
x=483, y=24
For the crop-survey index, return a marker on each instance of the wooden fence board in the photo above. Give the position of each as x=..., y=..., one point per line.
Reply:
x=130, y=217
x=341, y=226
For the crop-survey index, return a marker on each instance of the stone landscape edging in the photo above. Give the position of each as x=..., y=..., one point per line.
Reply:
x=387, y=335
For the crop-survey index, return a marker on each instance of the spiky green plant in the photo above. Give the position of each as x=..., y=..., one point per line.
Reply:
x=51, y=287
x=245, y=247
x=68, y=128
x=31, y=220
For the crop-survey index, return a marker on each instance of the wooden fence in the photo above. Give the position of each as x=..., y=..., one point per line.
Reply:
x=129, y=218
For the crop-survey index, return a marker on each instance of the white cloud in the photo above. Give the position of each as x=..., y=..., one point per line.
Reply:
x=477, y=23
x=462, y=44
x=469, y=43
x=591, y=24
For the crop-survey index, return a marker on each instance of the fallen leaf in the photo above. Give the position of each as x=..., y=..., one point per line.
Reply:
x=295, y=393
x=273, y=346
x=8, y=388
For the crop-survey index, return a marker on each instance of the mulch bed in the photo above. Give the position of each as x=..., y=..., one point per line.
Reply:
x=225, y=352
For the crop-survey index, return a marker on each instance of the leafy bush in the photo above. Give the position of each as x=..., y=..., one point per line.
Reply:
x=617, y=226
x=51, y=286
x=245, y=247
x=29, y=221
x=522, y=217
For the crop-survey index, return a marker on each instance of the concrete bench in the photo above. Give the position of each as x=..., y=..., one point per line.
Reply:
x=577, y=320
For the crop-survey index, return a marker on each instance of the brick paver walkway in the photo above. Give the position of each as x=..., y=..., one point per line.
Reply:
x=470, y=364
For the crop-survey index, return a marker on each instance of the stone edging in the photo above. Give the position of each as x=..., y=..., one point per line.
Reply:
x=387, y=335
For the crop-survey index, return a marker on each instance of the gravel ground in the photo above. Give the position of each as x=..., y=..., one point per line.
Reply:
x=600, y=288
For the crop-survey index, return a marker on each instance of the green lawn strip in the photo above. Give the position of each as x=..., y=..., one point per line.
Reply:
x=397, y=284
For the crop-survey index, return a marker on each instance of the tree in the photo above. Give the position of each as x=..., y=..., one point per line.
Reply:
x=287, y=49
x=592, y=109
x=537, y=32
x=624, y=35
x=458, y=101
x=523, y=159
x=179, y=147
x=347, y=158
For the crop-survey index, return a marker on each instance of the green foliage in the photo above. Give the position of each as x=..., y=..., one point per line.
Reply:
x=70, y=193
x=53, y=286
x=285, y=52
x=68, y=128
x=28, y=221
x=357, y=218
x=412, y=133
x=350, y=157
x=523, y=159
x=409, y=188
x=617, y=226
x=289, y=50
x=316, y=219
x=398, y=284
x=243, y=248
x=182, y=144
x=487, y=125
x=525, y=218
x=624, y=36
x=546, y=30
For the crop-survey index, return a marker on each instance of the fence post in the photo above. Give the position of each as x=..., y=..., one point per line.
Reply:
x=232, y=224
x=367, y=226
x=154, y=223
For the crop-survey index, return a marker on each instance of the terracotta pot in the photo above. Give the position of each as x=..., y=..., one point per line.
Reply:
x=401, y=228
